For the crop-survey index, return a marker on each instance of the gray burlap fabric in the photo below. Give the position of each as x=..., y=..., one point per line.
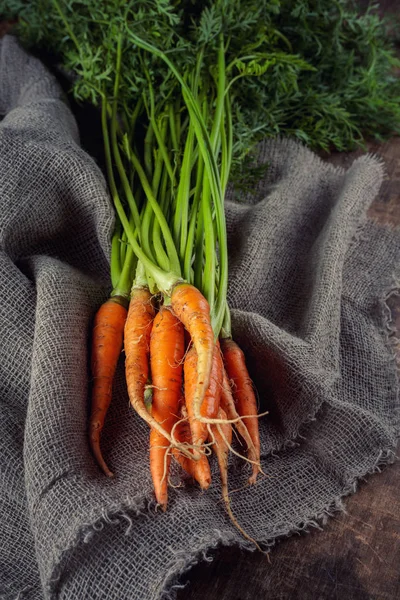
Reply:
x=308, y=281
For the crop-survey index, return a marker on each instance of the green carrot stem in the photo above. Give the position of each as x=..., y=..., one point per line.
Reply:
x=165, y=281
x=161, y=255
x=165, y=193
x=157, y=133
x=159, y=164
x=221, y=84
x=115, y=261
x=199, y=251
x=123, y=242
x=226, y=329
x=227, y=144
x=67, y=26
x=164, y=201
x=148, y=150
x=219, y=136
x=187, y=268
x=178, y=123
x=125, y=281
x=147, y=217
x=114, y=143
x=169, y=243
x=145, y=230
x=182, y=197
x=140, y=276
x=164, y=153
x=173, y=116
x=208, y=283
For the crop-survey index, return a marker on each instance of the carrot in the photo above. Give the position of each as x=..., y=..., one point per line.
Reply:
x=210, y=406
x=228, y=405
x=137, y=343
x=242, y=389
x=199, y=470
x=107, y=340
x=193, y=310
x=221, y=436
x=159, y=466
x=167, y=348
x=137, y=347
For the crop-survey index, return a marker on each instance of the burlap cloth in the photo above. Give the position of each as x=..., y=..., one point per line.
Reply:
x=309, y=276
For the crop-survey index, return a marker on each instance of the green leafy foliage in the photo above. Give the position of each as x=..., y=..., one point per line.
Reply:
x=313, y=69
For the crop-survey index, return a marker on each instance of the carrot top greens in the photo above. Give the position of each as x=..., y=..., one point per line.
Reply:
x=186, y=89
x=322, y=66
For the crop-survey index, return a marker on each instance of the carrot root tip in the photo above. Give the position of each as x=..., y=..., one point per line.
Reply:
x=253, y=479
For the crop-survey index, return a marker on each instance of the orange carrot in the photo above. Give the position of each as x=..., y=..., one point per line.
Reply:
x=221, y=449
x=228, y=405
x=210, y=406
x=199, y=470
x=107, y=339
x=137, y=344
x=137, y=347
x=167, y=348
x=242, y=389
x=221, y=436
x=193, y=310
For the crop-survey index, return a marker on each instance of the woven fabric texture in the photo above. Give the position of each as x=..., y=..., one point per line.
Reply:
x=309, y=275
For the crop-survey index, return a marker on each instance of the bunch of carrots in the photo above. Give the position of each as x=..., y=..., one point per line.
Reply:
x=186, y=377
x=168, y=157
x=199, y=386
x=186, y=89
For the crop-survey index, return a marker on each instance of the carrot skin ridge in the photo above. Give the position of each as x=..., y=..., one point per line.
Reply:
x=107, y=341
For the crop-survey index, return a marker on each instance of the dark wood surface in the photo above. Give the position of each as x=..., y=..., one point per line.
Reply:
x=357, y=555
